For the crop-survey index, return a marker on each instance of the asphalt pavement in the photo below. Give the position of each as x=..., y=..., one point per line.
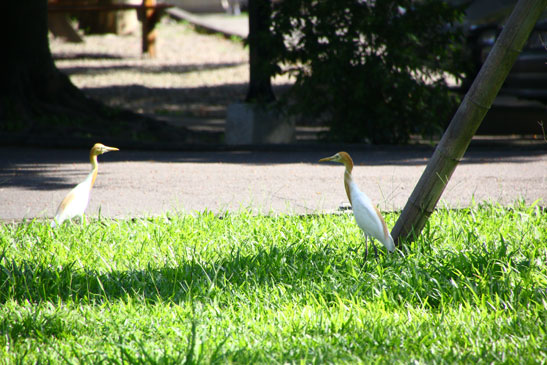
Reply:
x=134, y=183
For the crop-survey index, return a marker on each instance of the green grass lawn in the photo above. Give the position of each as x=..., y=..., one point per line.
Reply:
x=275, y=289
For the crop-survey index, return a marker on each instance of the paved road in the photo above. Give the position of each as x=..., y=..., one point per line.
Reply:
x=138, y=183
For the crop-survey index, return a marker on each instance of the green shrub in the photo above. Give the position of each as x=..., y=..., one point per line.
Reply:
x=371, y=68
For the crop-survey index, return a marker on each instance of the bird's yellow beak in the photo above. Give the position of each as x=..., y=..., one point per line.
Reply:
x=326, y=159
x=108, y=149
x=99, y=149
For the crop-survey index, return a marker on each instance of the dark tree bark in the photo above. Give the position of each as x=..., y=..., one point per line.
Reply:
x=39, y=104
x=31, y=84
x=260, y=87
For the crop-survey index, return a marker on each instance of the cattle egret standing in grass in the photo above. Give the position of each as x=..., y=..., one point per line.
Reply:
x=367, y=216
x=75, y=202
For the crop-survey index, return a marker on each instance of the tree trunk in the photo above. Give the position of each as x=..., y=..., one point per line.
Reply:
x=39, y=104
x=260, y=87
x=467, y=119
x=31, y=84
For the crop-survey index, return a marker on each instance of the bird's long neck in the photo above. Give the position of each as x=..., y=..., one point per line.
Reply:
x=94, y=168
x=348, y=179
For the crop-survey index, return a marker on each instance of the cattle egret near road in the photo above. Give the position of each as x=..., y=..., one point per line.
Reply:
x=367, y=216
x=75, y=202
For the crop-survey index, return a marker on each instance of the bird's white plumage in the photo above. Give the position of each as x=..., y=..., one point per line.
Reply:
x=366, y=215
x=367, y=218
x=75, y=202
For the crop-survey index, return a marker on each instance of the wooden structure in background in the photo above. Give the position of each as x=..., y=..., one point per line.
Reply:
x=148, y=13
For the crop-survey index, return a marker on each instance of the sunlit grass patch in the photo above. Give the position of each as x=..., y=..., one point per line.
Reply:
x=273, y=289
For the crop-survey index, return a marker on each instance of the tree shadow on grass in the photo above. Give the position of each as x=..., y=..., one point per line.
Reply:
x=39, y=282
x=327, y=272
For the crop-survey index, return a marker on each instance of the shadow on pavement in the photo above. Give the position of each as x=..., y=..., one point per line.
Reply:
x=32, y=167
x=177, y=69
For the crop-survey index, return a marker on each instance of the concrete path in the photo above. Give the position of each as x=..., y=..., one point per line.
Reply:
x=227, y=25
x=138, y=183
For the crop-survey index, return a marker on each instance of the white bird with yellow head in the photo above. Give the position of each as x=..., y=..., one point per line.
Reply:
x=367, y=216
x=75, y=203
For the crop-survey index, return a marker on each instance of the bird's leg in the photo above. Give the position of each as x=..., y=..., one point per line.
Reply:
x=375, y=251
x=366, y=247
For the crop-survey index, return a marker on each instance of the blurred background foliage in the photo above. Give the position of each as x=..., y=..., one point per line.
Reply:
x=374, y=71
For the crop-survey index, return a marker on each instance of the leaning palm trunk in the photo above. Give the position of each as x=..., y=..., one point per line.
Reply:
x=467, y=119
